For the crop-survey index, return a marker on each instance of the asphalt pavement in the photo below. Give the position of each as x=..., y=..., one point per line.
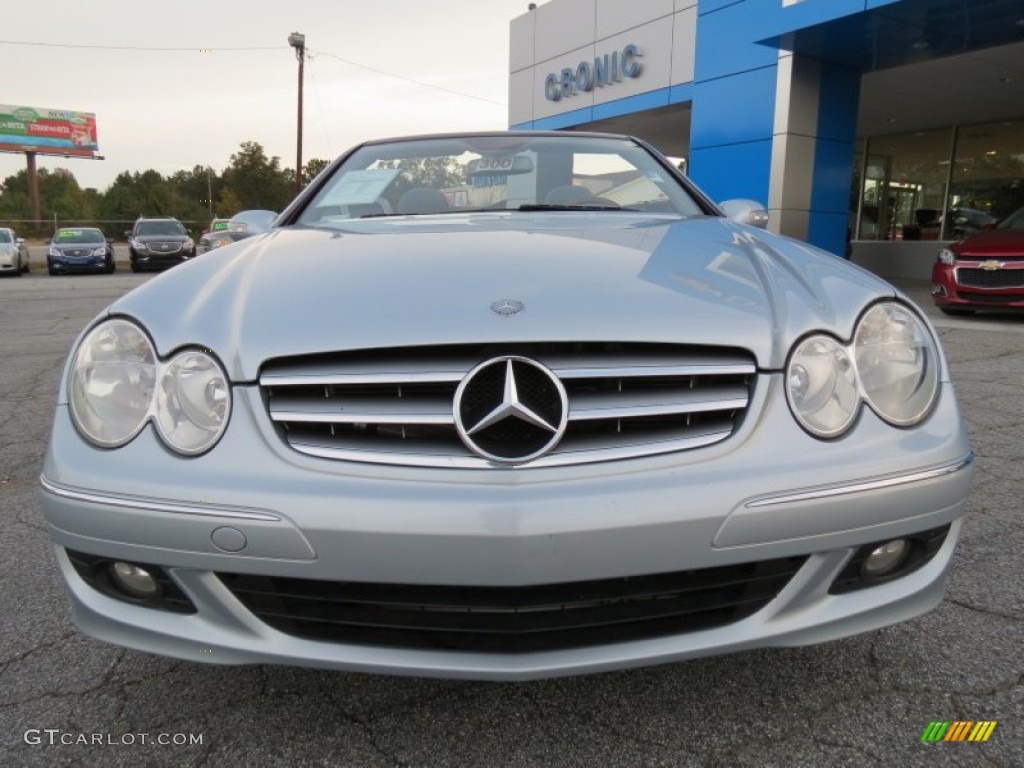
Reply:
x=66, y=699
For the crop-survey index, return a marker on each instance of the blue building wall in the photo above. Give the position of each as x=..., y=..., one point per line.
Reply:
x=735, y=93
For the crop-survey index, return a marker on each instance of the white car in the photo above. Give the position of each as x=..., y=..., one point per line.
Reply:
x=13, y=253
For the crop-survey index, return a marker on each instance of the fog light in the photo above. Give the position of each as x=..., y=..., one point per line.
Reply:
x=886, y=558
x=133, y=580
x=938, y=289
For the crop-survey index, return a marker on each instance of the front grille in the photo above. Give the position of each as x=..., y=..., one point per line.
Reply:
x=396, y=406
x=163, y=248
x=990, y=278
x=513, y=619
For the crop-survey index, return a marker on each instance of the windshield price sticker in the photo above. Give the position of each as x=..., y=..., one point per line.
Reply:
x=360, y=186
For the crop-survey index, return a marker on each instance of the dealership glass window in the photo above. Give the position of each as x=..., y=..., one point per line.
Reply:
x=903, y=181
x=904, y=185
x=987, y=182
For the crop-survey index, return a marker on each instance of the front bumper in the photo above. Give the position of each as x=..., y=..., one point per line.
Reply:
x=771, y=491
x=160, y=260
x=77, y=265
x=1003, y=290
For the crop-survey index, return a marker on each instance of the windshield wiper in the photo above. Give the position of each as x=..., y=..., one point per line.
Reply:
x=551, y=207
x=432, y=213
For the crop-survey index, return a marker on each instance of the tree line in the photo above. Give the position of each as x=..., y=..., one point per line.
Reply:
x=250, y=180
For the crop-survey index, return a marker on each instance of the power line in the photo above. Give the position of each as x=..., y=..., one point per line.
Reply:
x=407, y=79
x=140, y=47
x=320, y=105
x=342, y=59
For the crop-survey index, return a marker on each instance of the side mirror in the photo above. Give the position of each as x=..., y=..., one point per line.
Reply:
x=19, y=241
x=128, y=233
x=47, y=241
x=745, y=212
x=110, y=241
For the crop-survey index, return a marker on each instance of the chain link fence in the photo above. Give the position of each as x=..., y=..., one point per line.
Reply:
x=115, y=228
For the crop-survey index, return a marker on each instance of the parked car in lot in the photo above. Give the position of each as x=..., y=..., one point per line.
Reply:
x=14, y=255
x=240, y=226
x=504, y=406
x=79, y=249
x=985, y=271
x=158, y=243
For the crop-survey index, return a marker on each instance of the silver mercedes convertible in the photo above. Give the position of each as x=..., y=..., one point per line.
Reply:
x=504, y=406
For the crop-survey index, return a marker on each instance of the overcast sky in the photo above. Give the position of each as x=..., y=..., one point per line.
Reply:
x=170, y=110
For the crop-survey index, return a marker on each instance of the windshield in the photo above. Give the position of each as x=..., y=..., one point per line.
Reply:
x=1014, y=221
x=79, y=237
x=144, y=228
x=498, y=172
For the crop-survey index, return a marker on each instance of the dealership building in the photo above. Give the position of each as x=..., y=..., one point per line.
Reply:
x=893, y=124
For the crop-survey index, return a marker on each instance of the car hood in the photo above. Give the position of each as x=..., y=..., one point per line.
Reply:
x=84, y=247
x=161, y=238
x=992, y=242
x=431, y=280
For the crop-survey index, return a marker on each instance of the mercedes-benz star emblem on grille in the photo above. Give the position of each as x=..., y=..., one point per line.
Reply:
x=507, y=307
x=511, y=410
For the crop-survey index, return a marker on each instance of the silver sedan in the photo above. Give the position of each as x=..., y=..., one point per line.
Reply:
x=14, y=256
x=504, y=406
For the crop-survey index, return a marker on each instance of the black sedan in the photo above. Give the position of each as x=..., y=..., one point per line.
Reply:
x=80, y=249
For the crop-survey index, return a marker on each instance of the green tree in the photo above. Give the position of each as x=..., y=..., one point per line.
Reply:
x=312, y=169
x=228, y=203
x=59, y=194
x=14, y=200
x=259, y=181
x=196, y=188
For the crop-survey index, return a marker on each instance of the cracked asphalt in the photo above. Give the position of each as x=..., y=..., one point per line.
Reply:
x=861, y=701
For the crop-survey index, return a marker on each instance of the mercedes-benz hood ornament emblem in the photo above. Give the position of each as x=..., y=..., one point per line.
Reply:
x=511, y=410
x=507, y=307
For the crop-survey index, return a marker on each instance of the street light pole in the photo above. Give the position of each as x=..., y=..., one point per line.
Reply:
x=298, y=41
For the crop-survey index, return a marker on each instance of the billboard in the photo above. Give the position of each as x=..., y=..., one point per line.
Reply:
x=47, y=131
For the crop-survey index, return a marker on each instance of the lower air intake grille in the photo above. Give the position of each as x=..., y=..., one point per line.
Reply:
x=513, y=619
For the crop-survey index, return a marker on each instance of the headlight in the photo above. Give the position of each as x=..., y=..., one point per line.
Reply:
x=946, y=257
x=53, y=252
x=100, y=252
x=112, y=382
x=117, y=385
x=892, y=364
x=193, y=402
x=139, y=246
x=897, y=361
x=822, y=386
x=188, y=245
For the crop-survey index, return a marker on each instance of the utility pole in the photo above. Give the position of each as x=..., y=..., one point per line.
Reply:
x=297, y=40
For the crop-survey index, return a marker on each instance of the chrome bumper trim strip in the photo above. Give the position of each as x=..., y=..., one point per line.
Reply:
x=177, y=507
x=889, y=481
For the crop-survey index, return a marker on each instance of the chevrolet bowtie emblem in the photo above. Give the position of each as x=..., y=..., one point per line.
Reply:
x=991, y=265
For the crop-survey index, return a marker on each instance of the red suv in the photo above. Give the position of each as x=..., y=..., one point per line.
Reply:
x=985, y=271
